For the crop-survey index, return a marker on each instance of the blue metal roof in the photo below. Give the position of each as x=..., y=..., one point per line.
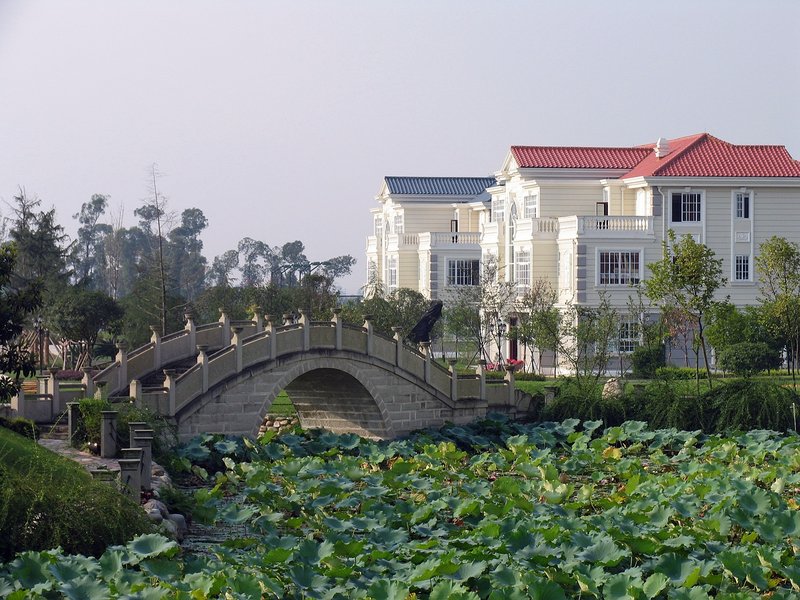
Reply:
x=439, y=186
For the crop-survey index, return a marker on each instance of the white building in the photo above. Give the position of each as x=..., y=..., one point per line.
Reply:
x=590, y=218
x=425, y=233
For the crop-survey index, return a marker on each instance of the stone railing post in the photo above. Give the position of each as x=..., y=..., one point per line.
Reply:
x=453, y=379
x=88, y=382
x=202, y=360
x=169, y=383
x=18, y=404
x=481, y=371
x=134, y=427
x=305, y=321
x=191, y=328
x=226, y=326
x=337, y=320
x=155, y=339
x=54, y=390
x=135, y=391
x=237, y=341
x=288, y=319
x=512, y=386
x=398, y=344
x=130, y=477
x=368, y=329
x=100, y=393
x=258, y=319
x=122, y=359
x=73, y=415
x=273, y=340
x=108, y=434
x=145, y=442
x=426, y=352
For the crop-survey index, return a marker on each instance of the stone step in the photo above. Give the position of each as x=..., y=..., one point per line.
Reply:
x=53, y=431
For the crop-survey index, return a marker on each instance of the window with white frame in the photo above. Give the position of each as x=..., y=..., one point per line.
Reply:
x=372, y=271
x=686, y=207
x=523, y=271
x=741, y=271
x=378, y=225
x=629, y=336
x=530, y=207
x=463, y=271
x=392, y=268
x=498, y=209
x=742, y=205
x=398, y=223
x=618, y=267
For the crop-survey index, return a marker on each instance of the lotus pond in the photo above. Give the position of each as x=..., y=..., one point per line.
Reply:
x=491, y=510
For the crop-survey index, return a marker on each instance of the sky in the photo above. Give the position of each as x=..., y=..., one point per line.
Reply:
x=280, y=119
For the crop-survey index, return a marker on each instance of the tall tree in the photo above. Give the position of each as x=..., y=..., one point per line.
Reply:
x=16, y=304
x=80, y=314
x=40, y=243
x=88, y=254
x=687, y=278
x=154, y=221
x=186, y=261
x=778, y=265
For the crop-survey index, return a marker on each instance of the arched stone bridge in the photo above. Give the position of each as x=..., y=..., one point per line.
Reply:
x=339, y=377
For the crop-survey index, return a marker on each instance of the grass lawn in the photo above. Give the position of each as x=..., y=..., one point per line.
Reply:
x=47, y=500
x=282, y=405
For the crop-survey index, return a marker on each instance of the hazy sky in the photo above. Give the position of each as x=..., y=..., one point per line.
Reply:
x=279, y=119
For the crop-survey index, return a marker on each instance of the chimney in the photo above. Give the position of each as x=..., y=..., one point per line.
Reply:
x=662, y=147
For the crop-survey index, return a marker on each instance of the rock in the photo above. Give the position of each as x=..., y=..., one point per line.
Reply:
x=155, y=515
x=154, y=504
x=180, y=525
x=613, y=388
x=170, y=529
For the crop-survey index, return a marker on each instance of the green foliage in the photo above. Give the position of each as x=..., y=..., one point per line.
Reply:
x=585, y=402
x=488, y=510
x=80, y=314
x=686, y=278
x=22, y=426
x=401, y=308
x=676, y=373
x=90, y=423
x=745, y=405
x=177, y=500
x=666, y=405
x=646, y=360
x=746, y=359
x=47, y=501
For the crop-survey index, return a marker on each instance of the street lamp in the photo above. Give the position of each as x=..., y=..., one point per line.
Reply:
x=37, y=325
x=499, y=329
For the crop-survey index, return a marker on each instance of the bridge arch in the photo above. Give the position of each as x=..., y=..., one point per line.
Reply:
x=341, y=377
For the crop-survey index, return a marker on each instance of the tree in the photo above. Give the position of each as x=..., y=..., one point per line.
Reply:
x=39, y=242
x=401, y=308
x=16, y=304
x=778, y=265
x=533, y=308
x=687, y=278
x=80, y=314
x=154, y=221
x=186, y=262
x=88, y=254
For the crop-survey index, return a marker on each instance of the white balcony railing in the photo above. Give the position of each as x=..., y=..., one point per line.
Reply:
x=442, y=239
x=373, y=244
x=605, y=227
x=400, y=241
x=528, y=229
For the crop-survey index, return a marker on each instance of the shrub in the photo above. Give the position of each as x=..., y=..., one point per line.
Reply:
x=575, y=401
x=666, y=406
x=746, y=404
x=24, y=427
x=745, y=359
x=684, y=373
x=48, y=501
x=646, y=360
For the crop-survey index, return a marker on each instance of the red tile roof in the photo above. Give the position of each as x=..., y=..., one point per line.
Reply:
x=699, y=155
x=703, y=155
x=573, y=157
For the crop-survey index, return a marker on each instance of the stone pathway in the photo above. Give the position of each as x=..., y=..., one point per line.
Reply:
x=88, y=460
